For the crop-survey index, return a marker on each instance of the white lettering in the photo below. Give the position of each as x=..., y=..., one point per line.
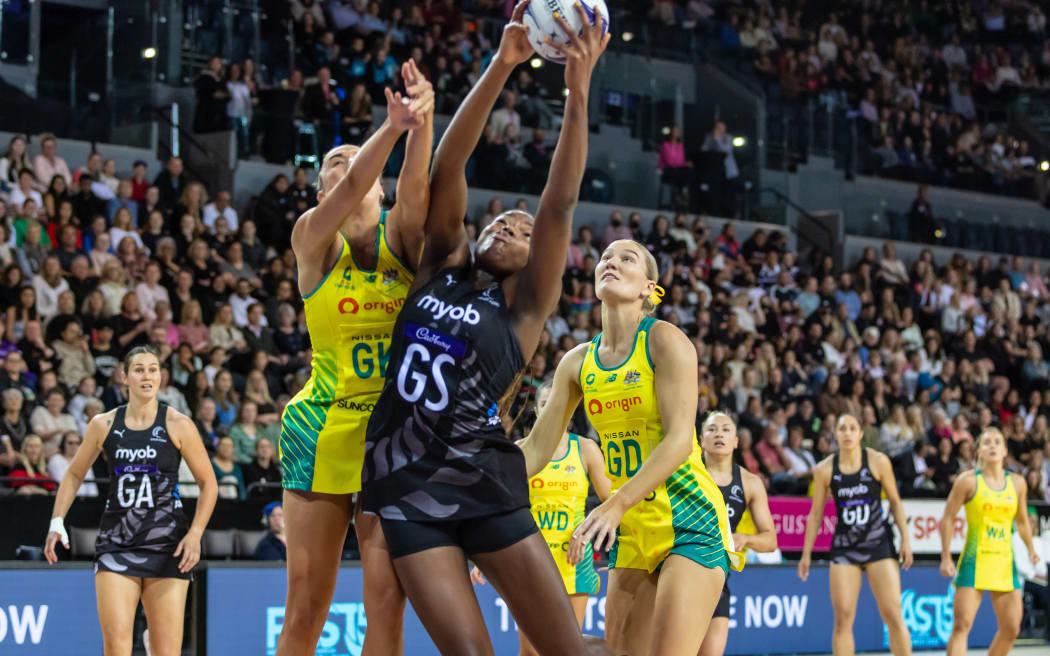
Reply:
x=30, y=621
x=504, y=616
x=146, y=453
x=145, y=493
x=418, y=379
x=773, y=611
x=440, y=310
x=127, y=495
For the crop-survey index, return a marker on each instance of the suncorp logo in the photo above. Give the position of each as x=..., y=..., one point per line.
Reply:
x=440, y=310
x=144, y=453
x=596, y=407
x=343, y=633
x=16, y=627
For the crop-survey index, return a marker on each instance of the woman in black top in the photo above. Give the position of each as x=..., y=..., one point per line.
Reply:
x=863, y=543
x=742, y=491
x=145, y=548
x=440, y=471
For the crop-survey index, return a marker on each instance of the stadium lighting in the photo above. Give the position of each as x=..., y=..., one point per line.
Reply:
x=536, y=62
x=738, y=142
x=1044, y=166
x=627, y=36
x=149, y=53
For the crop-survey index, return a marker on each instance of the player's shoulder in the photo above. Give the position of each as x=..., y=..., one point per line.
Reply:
x=177, y=420
x=103, y=420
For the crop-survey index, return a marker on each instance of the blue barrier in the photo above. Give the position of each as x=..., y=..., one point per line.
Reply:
x=48, y=612
x=52, y=612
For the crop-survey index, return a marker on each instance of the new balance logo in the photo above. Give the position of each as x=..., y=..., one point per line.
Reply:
x=440, y=310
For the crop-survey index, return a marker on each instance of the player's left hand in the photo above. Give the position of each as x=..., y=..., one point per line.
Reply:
x=1033, y=557
x=190, y=550
x=476, y=577
x=599, y=527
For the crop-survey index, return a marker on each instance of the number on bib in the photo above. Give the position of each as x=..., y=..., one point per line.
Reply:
x=429, y=386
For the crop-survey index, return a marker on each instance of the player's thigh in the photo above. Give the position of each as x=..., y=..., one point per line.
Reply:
x=1009, y=607
x=628, y=610
x=315, y=526
x=164, y=601
x=965, y=605
x=437, y=582
x=884, y=577
x=526, y=577
x=714, y=643
x=117, y=598
x=684, y=605
x=381, y=584
x=844, y=582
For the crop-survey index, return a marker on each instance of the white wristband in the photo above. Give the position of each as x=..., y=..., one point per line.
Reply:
x=58, y=526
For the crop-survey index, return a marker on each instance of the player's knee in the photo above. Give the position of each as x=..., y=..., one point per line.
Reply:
x=118, y=644
x=961, y=624
x=844, y=618
x=1010, y=629
x=386, y=604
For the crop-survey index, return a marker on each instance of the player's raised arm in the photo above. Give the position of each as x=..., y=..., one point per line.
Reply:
x=448, y=181
x=540, y=286
x=314, y=232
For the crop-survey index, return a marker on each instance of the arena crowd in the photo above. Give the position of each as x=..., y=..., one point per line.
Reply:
x=97, y=261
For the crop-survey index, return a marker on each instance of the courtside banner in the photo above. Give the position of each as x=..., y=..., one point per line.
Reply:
x=771, y=611
x=789, y=521
x=924, y=525
x=50, y=612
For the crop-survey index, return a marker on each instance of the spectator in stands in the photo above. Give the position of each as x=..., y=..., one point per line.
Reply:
x=25, y=190
x=220, y=207
x=675, y=169
x=263, y=468
x=274, y=545
x=247, y=430
x=59, y=463
x=506, y=115
x=31, y=465
x=227, y=471
x=139, y=184
x=48, y=163
x=48, y=284
x=212, y=98
x=50, y=421
x=170, y=184
x=320, y=104
x=123, y=198
x=13, y=423
x=74, y=354
x=14, y=161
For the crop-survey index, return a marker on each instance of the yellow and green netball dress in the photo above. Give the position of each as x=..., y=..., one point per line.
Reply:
x=350, y=318
x=685, y=514
x=987, y=559
x=558, y=497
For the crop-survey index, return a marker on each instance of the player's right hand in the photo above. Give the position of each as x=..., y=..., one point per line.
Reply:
x=947, y=567
x=57, y=532
x=476, y=577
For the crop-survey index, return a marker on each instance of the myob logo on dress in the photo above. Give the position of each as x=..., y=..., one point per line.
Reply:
x=440, y=310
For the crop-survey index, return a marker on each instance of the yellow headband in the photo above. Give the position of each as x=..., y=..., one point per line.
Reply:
x=657, y=296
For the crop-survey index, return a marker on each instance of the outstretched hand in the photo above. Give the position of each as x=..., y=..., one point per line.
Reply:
x=583, y=50
x=418, y=88
x=514, y=47
x=405, y=113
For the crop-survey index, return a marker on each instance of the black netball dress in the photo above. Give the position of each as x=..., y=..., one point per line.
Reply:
x=736, y=505
x=143, y=521
x=436, y=451
x=862, y=533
